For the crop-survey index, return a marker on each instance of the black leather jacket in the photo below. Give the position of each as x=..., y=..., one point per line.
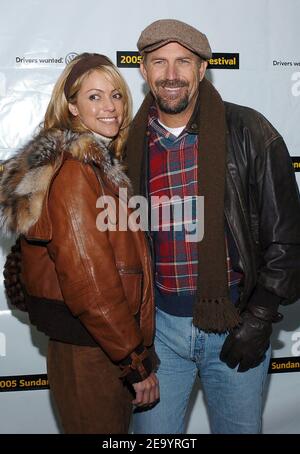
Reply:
x=262, y=203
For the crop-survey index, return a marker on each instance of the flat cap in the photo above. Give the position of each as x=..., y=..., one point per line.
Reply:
x=165, y=31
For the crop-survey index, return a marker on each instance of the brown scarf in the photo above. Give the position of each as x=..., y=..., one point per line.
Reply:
x=213, y=310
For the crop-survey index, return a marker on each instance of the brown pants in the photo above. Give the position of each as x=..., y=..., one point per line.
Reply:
x=89, y=395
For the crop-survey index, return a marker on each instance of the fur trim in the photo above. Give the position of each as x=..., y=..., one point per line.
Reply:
x=27, y=175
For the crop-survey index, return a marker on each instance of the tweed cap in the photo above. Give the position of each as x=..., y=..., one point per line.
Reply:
x=165, y=31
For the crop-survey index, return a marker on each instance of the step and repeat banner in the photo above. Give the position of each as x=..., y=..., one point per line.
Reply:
x=256, y=62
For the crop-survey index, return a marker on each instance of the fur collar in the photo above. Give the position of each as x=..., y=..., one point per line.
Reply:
x=27, y=175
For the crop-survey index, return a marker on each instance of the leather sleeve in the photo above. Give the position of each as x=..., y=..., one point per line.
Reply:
x=85, y=263
x=279, y=223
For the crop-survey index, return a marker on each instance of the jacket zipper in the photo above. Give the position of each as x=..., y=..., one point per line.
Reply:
x=237, y=246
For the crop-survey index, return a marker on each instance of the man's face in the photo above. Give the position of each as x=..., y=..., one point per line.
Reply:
x=173, y=74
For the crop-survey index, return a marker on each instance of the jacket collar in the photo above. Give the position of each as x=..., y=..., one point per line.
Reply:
x=27, y=175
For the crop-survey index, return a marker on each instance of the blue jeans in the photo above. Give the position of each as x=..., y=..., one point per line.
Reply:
x=234, y=399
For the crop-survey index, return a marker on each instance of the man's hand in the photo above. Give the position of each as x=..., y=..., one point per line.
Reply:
x=246, y=344
x=147, y=391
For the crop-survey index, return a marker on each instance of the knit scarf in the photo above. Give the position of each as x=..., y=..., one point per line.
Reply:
x=213, y=309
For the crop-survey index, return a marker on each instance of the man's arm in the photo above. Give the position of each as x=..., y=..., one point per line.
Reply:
x=279, y=278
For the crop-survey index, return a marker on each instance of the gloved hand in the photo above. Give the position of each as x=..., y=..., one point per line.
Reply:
x=246, y=344
x=12, y=278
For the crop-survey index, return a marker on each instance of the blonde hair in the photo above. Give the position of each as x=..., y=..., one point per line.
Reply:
x=58, y=115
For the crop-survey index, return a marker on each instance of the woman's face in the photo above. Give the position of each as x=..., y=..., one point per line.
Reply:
x=99, y=105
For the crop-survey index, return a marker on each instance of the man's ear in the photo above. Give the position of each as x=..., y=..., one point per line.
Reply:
x=202, y=69
x=143, y=70
x=73, y=109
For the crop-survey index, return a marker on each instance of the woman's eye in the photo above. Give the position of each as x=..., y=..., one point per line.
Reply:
x=94, y=97
x=117, y=96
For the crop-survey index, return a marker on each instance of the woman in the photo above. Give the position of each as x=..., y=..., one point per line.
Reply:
x=88, y=289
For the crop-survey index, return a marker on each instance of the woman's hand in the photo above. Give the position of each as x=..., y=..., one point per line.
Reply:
x=146, y=391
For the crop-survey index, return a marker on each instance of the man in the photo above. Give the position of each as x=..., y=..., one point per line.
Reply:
x=216, y=298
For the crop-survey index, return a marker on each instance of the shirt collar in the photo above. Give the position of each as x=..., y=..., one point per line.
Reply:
x=103, y=139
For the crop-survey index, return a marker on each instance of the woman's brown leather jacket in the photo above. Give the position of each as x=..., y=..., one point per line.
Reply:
x=83, y=285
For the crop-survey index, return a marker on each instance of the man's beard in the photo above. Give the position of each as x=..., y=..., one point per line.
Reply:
x=168, y=106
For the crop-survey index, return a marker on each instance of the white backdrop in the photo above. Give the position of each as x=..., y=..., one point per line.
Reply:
x=36, y=37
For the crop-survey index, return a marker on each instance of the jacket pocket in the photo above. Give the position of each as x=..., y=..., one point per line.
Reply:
x=132, y=284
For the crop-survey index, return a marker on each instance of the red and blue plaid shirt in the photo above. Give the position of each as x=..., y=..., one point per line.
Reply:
x=173, y=163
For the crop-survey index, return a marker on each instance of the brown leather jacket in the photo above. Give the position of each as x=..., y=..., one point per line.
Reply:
x=79, y=279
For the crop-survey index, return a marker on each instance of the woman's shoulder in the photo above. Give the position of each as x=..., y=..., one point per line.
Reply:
x=72, y=172
x=27, y=176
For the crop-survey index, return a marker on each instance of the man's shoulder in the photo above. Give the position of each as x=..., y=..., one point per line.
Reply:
x=239, y=112
x=241, y=117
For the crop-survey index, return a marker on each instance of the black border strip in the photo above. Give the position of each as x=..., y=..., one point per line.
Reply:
x=296, y=163
x=284, y=365
x=219, y=60
x=37, y=382
x=23, y=382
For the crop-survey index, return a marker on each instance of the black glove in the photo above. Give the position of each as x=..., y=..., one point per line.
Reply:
x=247, y=344
x=12, y=278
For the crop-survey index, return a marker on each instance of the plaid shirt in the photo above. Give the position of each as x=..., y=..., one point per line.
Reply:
x=173, y=172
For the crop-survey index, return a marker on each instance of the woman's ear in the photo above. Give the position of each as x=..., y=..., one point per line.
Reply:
x=73, y=109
